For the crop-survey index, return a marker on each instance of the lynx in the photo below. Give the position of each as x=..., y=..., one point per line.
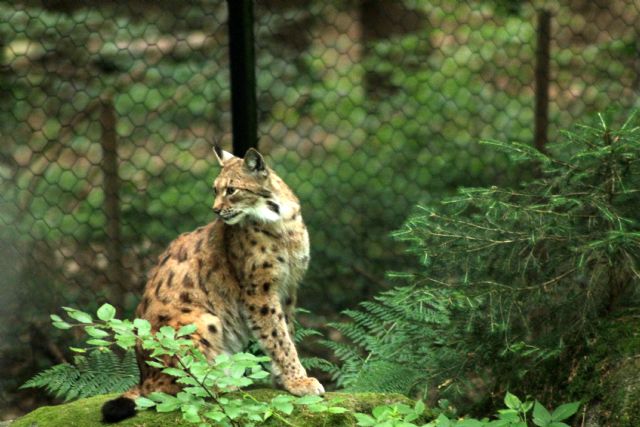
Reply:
x=235, y=278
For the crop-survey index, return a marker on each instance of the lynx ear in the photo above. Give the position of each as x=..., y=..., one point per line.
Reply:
x=221, y=155
x=254, y=161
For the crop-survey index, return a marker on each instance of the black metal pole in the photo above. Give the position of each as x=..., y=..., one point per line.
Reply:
x=244, y=123
x=542, y=76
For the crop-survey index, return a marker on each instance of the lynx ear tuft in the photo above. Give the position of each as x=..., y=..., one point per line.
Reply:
x=217, y=150
x=254, y=161
x=221, y=155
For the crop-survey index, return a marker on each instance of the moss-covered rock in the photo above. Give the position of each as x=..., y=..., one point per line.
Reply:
x=86, y=412
x=608, y=377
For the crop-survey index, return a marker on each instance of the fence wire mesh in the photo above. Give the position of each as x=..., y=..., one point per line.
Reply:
x=366, y=108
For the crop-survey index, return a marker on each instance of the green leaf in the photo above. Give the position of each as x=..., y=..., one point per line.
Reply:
x=237, y=371
x=78, y=315
x=541, y=417
x=78, y=350
x=168, y=406
x=510, y=415
x=106, y=312
x=215, y=415
x=259, y=375
x=364, y=420
x=190, y=413
x=95, y=332
x=155, y=364
x=159, y=397
x=55, y=318
x=167, y=332
x=470, y=422
x=283, y=403
x=336, y=410
x=186, y=330
x=443, y=421
x=197, y=391
x=142, y=326
x=144, y=403
x=284, y=407
x=174, y=372
x=61, y=325
x=166, y=402
x=419, y=407
x=233, y=412
x=563, y=412
x=267, y=414
x=126, y=341
x=380, y=411
x=558, y=424
x=512, y=401
x=308, y=400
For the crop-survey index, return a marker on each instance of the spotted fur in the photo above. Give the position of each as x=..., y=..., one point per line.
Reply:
x=235, y=278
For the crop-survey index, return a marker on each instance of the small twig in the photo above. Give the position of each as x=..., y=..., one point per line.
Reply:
x=44, y=343
x=55, y=350
x=361, y=271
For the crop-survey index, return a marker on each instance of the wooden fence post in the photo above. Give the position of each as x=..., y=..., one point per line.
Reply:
x=111, y=181
x=542, y=78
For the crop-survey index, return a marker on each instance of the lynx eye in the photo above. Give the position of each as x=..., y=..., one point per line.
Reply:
x=231, y=190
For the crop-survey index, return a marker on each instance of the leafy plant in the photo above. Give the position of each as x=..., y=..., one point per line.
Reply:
x=212, y=390
x=397, y=415
x=104, y=371
x=516, y=414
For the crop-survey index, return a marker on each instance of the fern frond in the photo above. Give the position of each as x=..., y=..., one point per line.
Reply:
x=385, y=377
x=390, y=341
x=318, y=363
x=99, y=372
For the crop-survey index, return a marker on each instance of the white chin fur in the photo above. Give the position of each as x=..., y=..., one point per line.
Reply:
x=236, y=219
x=263, y=213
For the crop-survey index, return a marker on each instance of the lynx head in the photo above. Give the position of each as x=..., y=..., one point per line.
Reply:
x=247, y=189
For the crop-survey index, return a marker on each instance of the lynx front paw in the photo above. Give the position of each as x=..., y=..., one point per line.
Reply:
x=304, y=386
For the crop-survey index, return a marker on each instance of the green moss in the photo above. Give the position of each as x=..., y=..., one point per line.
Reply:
x=608, y=377
x=86, y=412
x=622, y=403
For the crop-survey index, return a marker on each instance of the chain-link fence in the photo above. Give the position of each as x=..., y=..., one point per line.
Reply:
x=366, y=108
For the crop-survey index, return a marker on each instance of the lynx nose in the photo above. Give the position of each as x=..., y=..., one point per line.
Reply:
x=217, y=211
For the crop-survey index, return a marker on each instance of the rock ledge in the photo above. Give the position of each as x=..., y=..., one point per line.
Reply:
x=86, y=412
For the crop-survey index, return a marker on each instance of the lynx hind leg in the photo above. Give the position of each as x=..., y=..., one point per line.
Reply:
x=208, y=339
x=157, y=381
x=208, y=336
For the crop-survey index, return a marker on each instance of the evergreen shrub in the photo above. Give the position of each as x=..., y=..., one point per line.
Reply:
x=513, y=280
